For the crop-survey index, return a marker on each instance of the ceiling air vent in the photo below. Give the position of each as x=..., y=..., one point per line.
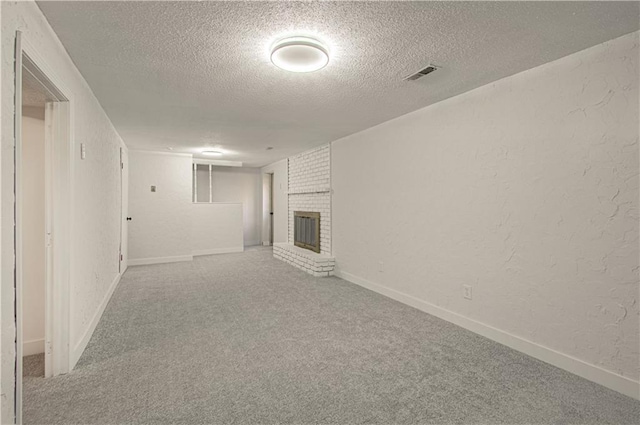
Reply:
x=421, y=73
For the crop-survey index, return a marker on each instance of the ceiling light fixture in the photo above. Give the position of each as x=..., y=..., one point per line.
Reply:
x=299, y=54
x=212, y=153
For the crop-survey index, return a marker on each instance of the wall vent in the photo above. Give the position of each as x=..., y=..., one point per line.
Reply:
x=421, y=73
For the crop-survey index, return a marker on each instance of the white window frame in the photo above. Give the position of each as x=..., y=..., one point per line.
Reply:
x=195, y=183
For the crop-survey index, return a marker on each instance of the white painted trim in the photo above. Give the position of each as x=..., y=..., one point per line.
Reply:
x=59, y=172
x=17, y=116
x=36, y=346
x=571, y=364
x=218, y=162
x=161, y=153
x=58, y=138
x=82, y=344
x=160, y=260
x=217, y=251
x=266, y=243
x=179, y=258
x=124, y=208
x=217, y=203
x=195, y=182
x=210, y=183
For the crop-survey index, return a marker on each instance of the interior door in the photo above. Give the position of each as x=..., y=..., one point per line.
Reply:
x=271, y=209
x=124, y=230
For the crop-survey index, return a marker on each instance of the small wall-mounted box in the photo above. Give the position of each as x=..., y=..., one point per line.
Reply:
x=153, y=188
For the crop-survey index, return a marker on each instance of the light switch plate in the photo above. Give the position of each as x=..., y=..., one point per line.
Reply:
x=467, y=292
x=83, y=151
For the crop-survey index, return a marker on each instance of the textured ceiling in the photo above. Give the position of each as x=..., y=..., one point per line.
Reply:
x=193, y=74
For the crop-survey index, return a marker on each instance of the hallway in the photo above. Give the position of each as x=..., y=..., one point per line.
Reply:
x=245, y=338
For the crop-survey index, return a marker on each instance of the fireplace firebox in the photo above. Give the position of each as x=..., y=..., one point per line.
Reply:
x=306, y=230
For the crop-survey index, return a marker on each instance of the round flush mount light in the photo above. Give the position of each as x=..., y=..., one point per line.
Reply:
x=212, y=153
x=299, y=54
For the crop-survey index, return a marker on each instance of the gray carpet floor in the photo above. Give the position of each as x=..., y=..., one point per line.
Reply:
x=33, y=366
x=246, y=339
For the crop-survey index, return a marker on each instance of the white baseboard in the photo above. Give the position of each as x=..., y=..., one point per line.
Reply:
x=571, y=364
x=266, y=243
x=217, y=251
x=32, y=347
x=160, y=260
x=78, y=349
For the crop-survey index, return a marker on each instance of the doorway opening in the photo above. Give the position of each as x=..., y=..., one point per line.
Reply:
x=271, y=209
x=34, y=242
x=267, y=209
x=42, y=220
x=124, y=210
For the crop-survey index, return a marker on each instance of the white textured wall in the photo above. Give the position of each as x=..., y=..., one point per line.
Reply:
x=96, y=237
x=526, y=189
x=33, y=241
x=166, y=224
x=280, y=172
x=310, y=190
x=161, y=220
x=244, y=185
x=216, y=228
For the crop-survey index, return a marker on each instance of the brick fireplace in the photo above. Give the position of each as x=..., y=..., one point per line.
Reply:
x=309, y=193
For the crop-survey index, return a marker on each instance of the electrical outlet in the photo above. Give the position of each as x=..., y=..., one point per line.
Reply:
x=381, y=267
x=468, y=293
